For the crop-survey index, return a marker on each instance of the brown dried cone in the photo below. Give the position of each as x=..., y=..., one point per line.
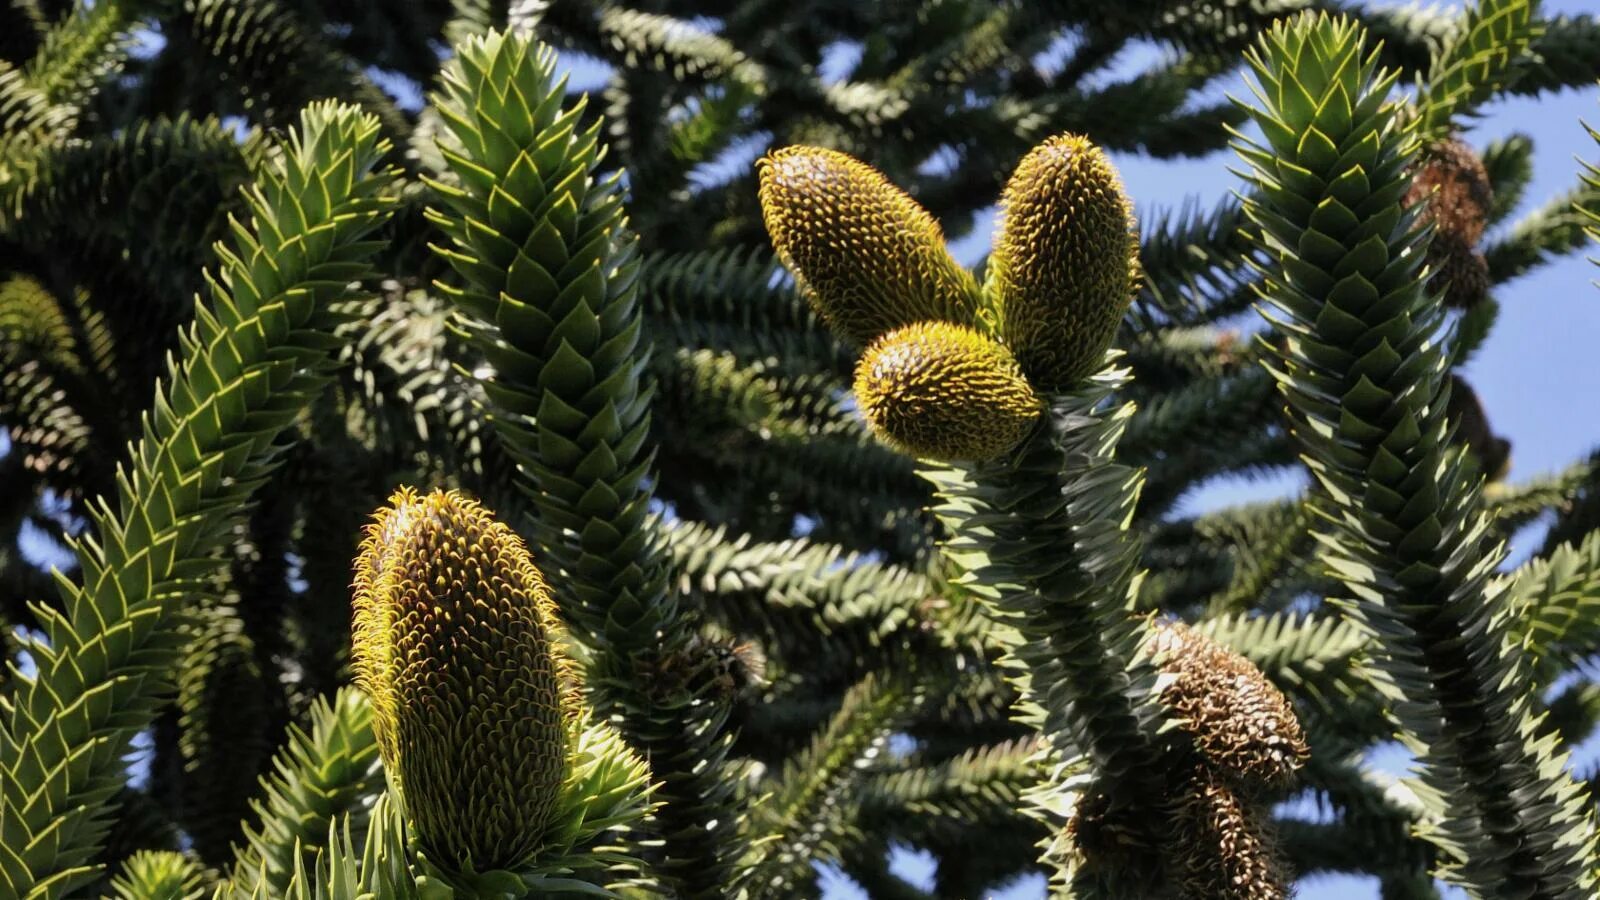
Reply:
x=1460, y=272
x=1242, y=726
x=869, y=257
x=1065, y=260
x=1455, y=187
x=455, y=639
x=1492, y=451
x=1224, y=848
x=1115, y=845
x=944, y=391
x=1452, y=179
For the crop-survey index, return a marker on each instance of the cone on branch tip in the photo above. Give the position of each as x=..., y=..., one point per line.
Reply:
x=456, y=640
x=1454, y=187
x=1065, y=261
x=1241, y=725
x=867, y=255
x=945, y=391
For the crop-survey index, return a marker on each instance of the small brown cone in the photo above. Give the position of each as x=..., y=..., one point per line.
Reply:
x=1452, y=180
x=1241, y=724
x=1455, y=187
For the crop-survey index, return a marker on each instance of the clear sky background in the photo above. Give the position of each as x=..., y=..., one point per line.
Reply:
x=1537, y=377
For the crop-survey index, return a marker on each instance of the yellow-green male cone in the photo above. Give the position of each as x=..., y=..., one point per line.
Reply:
x=944, y=391
x=454, y=639
x=1065, y=260
x=869, y=257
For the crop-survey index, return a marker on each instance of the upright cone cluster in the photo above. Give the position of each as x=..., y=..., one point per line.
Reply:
x=945, y=391
x=455, y=641
x=870, y=258
x=1454, y=187
x=950, y=371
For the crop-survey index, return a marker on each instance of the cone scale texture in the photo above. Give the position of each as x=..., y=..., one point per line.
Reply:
x=453, y=639
x=870, y=258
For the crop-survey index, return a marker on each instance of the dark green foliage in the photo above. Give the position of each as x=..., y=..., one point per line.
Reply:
x=573, y=312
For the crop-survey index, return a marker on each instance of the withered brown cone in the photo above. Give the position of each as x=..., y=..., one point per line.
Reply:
x=1454, y=188
x=1224, y=848
x=1460, y=272
x=1242, y=726
x=1451, y=179
x=1115, y=844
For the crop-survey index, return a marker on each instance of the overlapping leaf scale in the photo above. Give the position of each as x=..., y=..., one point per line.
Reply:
x=247, y=368
x=739, y=302
x=161, y=190
x=349, y=866
x=1363, y=369
x=159, y=875
x=1589, y=201
x=1508, y=161
x=1545, y=235
x=809, y=813
x=984, y=784
x=1558, y=606
x=1480, y=62
x=320, y=775
x=549, y=295
x=1041, y=538
x=818, y=608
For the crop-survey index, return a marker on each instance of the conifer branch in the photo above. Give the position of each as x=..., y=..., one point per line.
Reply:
x=248, y=366
x=320, y=776
x=1363, y=372
x=550, y=298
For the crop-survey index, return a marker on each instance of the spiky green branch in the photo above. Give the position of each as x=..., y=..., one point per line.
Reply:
x=248, y=366
x=1363, y=370
x=550, y=298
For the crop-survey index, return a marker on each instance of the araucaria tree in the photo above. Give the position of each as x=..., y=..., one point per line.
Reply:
x=459, y=486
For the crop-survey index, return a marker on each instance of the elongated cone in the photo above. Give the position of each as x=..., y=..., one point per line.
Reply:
x=945, y=391
x=1224, y=848
x=1241, y=724
x=454, y=640
x=1065, y=260
x=869, y=257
